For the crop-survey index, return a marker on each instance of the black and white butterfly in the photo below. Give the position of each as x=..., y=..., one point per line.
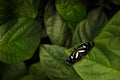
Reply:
x=79, y=52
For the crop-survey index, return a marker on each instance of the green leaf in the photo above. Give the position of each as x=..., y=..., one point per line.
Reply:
x=57, y=29
x=53, y=61
x=110, y=35
x=12, y=72
x=71, y=10
x=89, y=28
x=37, y=71
x=102, y=62
x=29, y=8
x=12, y=9
x=18, y=40
x=27, y=77
x=49, y=11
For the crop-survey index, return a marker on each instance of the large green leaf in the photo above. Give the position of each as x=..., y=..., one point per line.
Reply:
x=89, y=28
x=18, y=40
x=71, y=10
x=11, y=9
x=57, y=29
x=36, y=72
x=12, y=72
x=110, y=35
x=29, y=8
x=102, y=62
x=53, y=60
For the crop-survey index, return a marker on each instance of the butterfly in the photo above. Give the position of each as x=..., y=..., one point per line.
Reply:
x=79, y=52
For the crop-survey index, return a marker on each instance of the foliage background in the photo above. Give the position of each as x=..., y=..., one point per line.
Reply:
x=37, y=36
